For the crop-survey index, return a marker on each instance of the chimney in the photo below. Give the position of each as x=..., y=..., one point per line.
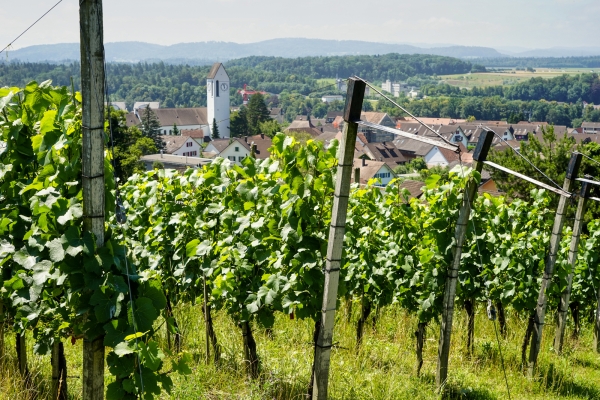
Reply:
x=255, y=147
x=246, y=139
x=383, y=144
x=262, y=135
x=364, y=162
x=161, y=153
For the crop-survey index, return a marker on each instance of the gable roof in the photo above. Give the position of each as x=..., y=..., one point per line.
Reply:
x=193, y=133
x=182, y=116
x=369, y=169
x=262, y=143
x=386, y=152
x=303, y=126
x=220, y=144
x=415, y=188
x=214, y=70
x=173, y=143
x=373, y=117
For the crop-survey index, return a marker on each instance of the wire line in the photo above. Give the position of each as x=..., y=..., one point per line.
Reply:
x=30, y=26
x=403, y=109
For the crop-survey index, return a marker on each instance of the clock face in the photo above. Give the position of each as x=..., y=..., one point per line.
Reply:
x=224, y=86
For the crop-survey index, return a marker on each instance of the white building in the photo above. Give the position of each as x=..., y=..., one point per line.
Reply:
x=181, y=146
x=370, y=169
x=217, y=91
x=332, y=98
x=234, y=150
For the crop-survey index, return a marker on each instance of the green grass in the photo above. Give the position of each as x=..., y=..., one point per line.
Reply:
x=383, y=368
x=508, y=78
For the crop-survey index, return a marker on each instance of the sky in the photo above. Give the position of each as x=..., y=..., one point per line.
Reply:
x=517, y=24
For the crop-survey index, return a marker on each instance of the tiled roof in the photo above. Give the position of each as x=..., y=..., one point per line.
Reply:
x=173, y=143
x=415, y=188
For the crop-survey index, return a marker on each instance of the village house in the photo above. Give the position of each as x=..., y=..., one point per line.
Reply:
x=591, y=127
x=303, y=125
x=181, y=146
x=387, y=153
x=370, y=169
x=236, y=149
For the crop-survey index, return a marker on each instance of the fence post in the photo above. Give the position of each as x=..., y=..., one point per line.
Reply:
x=352, y=111
x=563, y=307
x=479, y=156
x=559, y=221
x=92, y=93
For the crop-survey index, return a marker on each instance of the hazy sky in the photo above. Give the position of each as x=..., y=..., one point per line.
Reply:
x=498, y=23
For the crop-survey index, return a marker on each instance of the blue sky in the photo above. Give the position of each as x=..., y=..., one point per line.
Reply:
x=498, y=23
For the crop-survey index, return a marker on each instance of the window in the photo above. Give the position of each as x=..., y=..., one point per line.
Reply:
x=231, y=158
x=237, y=149
x=189, y=144
x=217, y=88
x=240, y=158
x=193, y=153
x=170, y=131
x=383, y=175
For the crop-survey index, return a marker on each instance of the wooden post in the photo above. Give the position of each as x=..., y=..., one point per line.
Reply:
x=205, y=305
x=352, y=111
x=21, y=347
x=59, y=371
x=597, y=324
x=479, y=156
x=559, y=221
x=357, y=175
x=563, y=307
x=92, y=92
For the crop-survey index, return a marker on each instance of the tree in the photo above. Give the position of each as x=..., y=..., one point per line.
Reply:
x=270, y=128
x=175, y=130
x=215, y=129
x=238, y=123
x=150, y=127
x=127, y=154
x=257, y=113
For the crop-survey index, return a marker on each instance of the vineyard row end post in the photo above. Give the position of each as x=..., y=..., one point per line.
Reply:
x=92, y=93
x=565, y=297
x=479, y=156
x=352, y=111
x=559, y=221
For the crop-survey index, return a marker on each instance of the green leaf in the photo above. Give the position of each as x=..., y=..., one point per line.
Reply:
x=145, y=314
x=57, y=253
x=151, y=355
x=190, y=248
x=124, y=348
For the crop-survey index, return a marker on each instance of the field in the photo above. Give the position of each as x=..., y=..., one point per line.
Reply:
x=508, y=78
x=383, y=368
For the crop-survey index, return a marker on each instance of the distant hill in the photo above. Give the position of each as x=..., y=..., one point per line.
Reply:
x=205, y=52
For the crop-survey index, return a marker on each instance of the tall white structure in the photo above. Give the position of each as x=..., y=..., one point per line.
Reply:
x=217, y=93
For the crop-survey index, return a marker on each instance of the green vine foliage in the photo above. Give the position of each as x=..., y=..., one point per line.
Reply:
x=256, y=232
x=55, y=282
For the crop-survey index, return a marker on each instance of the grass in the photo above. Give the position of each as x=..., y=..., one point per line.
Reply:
x=383, y=368
x=483, y=79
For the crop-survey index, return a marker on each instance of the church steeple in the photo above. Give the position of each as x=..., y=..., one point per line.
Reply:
x=217, y=99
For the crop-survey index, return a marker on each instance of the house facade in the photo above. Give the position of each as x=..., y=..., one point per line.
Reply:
x=370, y=169
x=181, y=146
x=591, y=127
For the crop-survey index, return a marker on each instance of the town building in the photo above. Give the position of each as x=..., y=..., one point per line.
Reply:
x=181, y=146
x=217, y=91
x=591, y=127
x=370, y=169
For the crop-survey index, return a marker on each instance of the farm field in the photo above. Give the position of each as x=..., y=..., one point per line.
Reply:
x=508, y=78
x=382, y=368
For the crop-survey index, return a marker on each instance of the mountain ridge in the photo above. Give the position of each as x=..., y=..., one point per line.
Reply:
x=223, y=51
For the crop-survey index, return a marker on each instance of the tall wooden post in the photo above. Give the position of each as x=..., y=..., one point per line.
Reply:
x=92, y=92
x=563, y=307
x=354, y=99
x=479, y=156
x=559, y=221
x=59, y=371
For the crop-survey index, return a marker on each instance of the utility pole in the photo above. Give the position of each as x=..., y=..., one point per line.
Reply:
x=92, y=93
x=559, y=221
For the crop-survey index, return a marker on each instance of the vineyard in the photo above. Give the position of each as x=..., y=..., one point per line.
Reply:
x=247, y=244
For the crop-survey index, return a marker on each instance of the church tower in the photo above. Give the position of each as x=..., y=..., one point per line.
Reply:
x=217, y=99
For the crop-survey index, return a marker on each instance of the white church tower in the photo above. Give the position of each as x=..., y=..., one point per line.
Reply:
x=217, y=93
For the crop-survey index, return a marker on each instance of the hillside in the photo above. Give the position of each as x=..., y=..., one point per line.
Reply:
x=205, y=52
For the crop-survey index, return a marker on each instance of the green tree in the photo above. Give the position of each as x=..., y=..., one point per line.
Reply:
x=127, y=155
x=270, y=128
x=150, y=127
x=215, y=130
x=257, y=113
x=175, y=130
x=238, y=123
